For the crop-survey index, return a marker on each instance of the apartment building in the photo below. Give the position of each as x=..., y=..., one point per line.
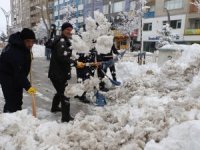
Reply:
x=27, y=13
x=20, y=15
x=184, y=18
x=41, y=9
x=86, y=8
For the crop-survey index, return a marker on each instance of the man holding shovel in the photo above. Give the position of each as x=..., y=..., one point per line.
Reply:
x=15, y=63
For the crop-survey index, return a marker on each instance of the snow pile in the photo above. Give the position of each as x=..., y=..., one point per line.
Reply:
x=184, y=136
x=151, y=110
x=38, y=50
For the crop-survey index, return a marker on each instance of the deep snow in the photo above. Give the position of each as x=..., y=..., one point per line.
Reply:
x=155, y=108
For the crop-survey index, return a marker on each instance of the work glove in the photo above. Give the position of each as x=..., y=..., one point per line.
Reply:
x=31, y=90
x=80, y=65
x=96, y=64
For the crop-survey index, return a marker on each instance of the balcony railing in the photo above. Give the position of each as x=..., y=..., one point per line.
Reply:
x=192, y=32
x=150, y=14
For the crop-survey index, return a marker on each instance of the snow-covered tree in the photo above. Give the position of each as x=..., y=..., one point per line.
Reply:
x=97, y=35
x=127, y=22
x=40, y=30
x=166, y=36
x=70, y=12
x=197, y=4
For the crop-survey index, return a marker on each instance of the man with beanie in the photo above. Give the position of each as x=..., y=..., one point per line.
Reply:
x=15, y=62
x=60, y=71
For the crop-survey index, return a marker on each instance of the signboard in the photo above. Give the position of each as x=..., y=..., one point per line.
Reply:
x=192, y=32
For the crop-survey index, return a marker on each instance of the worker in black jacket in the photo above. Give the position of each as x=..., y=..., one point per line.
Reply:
x=15, y=62
x=107, y=57
x=60, y=71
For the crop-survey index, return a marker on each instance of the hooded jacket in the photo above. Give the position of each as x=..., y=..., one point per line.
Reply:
x=15, y=61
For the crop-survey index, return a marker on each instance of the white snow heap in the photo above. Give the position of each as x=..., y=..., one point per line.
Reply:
x=152, y=110
x=104, y=44
x=181, y=137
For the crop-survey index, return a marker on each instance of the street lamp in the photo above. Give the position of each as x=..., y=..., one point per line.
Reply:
x=7, y=15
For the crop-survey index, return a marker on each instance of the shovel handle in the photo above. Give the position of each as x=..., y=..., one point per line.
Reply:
x=33, y=105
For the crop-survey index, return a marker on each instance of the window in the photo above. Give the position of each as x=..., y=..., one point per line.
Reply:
x=105, y=9
x=175, y=24
x=173, y=4
x=152, y=8
x=194, y=23
x=80, y=2
x=132, y=5
x=147, y=27
x=80, y=12
x=89, y=13
x=56, y=17
x=88, y=1
x=118, y=6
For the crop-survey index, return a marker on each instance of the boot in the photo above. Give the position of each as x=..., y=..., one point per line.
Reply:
x=55, y=104
x=82, y=98
x=65, y=110
x=102, y=87
x=114, y=78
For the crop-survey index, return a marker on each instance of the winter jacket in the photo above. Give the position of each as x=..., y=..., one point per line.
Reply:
x=109, y=56
x=61, y=62
x=15, y=61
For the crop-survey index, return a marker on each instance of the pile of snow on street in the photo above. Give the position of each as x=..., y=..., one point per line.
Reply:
x=154, y=109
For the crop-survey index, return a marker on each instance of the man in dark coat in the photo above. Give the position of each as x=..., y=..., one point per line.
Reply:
x=60, y=71
x=15, y=61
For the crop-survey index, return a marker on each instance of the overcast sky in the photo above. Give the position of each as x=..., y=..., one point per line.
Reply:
x=5, y=4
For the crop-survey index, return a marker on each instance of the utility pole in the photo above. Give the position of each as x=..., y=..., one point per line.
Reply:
x=93, y=7
x=109, y=10
x=7, y=15
x=141, y=28
x=168, y=16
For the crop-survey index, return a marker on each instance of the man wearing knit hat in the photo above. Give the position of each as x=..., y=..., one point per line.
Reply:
x=60, y=71
x=15, y=61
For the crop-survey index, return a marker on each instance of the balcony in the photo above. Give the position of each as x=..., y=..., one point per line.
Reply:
x=192, y=32
x=150, y=14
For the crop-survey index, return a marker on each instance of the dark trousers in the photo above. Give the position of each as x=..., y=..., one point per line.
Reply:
x=112, y=71
x=48, y=53
x=60, y=97
x=60, y=89
x=83, y=73
x=13, y=95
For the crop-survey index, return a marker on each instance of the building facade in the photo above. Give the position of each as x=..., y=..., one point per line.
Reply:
x=184, y=16
x=27, y=13
x=20, y=15
x=184, y=22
